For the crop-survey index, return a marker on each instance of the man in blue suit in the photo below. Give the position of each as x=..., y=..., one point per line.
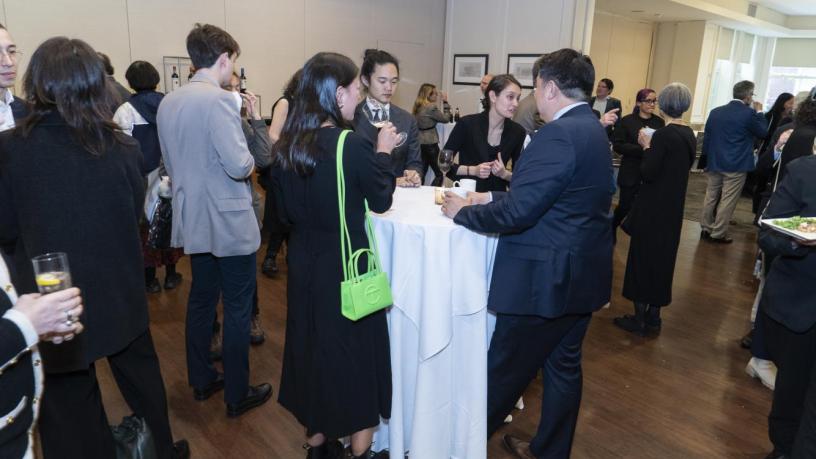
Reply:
x=729, y=145
x=553, y=264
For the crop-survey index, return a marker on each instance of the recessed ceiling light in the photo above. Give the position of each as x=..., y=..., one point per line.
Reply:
x=637, y=11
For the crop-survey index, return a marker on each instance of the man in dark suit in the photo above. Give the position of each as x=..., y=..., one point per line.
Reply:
x=405, y=159
x=553, y=264
x=728, y=143
x=603, y=102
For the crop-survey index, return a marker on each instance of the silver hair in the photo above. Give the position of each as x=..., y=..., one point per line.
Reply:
x=674, y=99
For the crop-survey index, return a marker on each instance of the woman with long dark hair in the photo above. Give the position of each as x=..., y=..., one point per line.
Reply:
x=427, y=114
x=71, y=182
x=625, y=143
x=336, y=376
x=487, y=141
x=379, y=76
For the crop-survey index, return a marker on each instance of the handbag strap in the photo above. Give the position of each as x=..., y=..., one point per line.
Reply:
x=350, y=257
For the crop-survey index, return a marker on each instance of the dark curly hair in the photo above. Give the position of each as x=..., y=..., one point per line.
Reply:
x=806, y=113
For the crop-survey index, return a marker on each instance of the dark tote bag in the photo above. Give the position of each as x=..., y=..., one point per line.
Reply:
x=133, y=439
x=159, y=231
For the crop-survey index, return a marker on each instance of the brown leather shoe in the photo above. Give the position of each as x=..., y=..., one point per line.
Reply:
x=518, y=447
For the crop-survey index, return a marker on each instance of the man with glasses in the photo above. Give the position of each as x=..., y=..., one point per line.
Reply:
x=11, y=108
x=730, y=132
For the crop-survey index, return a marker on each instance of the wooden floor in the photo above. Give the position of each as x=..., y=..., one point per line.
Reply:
x=681, y=395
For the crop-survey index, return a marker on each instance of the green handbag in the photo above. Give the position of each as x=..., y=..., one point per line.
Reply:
x=360, y=294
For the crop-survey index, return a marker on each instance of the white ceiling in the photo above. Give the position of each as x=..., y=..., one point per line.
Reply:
x=791, y=7
x=652, y=10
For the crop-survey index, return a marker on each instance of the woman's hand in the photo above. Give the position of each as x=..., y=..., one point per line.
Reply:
x=252, y=105
x=783, y=139
x=387, y=139
x=644, y=139
x=443, y=96
x=55, y=316
x=498, y=168
x=481, y=170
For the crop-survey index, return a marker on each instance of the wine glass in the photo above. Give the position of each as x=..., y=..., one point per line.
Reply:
x=445, y=162
x=379, y=117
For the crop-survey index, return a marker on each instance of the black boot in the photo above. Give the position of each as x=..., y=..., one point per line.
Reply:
x=653, y=321
x=317, y=452
x=270, y=265
x=634, y=323
x=366, y=454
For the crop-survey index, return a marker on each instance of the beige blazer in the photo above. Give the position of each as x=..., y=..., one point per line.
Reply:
x=206, y=156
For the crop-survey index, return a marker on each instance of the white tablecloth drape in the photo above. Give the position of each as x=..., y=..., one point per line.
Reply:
x=440, y=274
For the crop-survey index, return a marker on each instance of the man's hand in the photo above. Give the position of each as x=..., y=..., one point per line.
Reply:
x=252, y=105
x=453, y=204
x=609, y=118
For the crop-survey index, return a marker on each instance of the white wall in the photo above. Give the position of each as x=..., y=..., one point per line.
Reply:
x=621, y=50
x=276, y=36
x=502, y=27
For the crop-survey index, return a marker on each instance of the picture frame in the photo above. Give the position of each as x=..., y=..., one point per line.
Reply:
x=521, y=67
x=468, y=69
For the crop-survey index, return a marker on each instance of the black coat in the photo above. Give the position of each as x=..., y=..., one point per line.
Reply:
x=17, y=388
x=625, y=142
x=469, y=138
x=656, y=217
x=790, y=286
x=55, y=196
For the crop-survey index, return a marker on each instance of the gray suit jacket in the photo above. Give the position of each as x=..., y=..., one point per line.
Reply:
x=406, y=156
x=527, y=114
x=206, y=156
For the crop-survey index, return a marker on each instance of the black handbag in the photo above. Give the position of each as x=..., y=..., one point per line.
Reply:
x=160, y=229
x=133, y=439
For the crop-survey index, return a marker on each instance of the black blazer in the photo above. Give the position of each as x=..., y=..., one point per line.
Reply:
x=406, y=156
x=790, y=287
x=55, y=196
x=19, y=109
x=554, y=256
x=611, y=104
x=469, y=138
x=625, y=142
x=16, y=384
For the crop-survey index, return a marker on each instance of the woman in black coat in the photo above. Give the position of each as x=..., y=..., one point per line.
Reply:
x=487, y=141
x=70, y=182
x=656, y=217
x=336, y=377
x=625, y=142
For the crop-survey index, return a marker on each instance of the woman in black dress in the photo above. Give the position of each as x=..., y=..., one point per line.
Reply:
x=71, y=182
x=656, y=217
x=336, y=376
x=487, y=141
x=625, y=143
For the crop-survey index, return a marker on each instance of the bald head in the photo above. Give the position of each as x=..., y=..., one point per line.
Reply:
x=485, y=81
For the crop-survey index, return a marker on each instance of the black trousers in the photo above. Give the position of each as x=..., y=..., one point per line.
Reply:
x=73, y=422
x=521, y=345
x=626, y=197
x=430, y=158
x=794, y=355
x=234, y=278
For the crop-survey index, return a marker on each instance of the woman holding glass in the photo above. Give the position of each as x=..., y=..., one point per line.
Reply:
x=625, y=143
x=380, y=78
x=336, y=376
x=487, y=141
x=71, y=182
x=656, y=217
x=428, y=114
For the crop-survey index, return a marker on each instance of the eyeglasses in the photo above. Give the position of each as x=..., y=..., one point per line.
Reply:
x=649, y=101
x=12, y=54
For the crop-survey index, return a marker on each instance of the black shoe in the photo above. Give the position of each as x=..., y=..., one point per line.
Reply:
x=747, y=340
x=270, y=266
x=256, y=396
x=720, y=240
x=172, y=281
x=775, y=455
x=364, y=455
x=517, y=447
x=181, y=450
x=384, y=454
x=634, y=323
x=705, y=235
x=153, y=286
x=207, y=391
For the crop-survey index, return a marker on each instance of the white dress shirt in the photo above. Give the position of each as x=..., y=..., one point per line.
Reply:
x=6, y=115
x=374, y=105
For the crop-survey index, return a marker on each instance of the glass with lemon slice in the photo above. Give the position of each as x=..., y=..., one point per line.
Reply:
x=51, y=272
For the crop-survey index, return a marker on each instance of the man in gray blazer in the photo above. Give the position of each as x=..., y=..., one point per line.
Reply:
x=206, y=156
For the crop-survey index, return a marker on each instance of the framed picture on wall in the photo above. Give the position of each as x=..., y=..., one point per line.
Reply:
x=468, y=69
x=521, y=67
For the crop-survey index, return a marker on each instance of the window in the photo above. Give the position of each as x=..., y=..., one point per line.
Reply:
x=789, y=79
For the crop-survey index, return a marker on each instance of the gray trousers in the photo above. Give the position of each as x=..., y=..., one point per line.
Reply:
x=722, y=193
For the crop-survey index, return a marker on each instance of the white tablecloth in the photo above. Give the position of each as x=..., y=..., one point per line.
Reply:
x=440, y=274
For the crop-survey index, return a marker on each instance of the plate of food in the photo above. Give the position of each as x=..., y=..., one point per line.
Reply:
x=801, y=228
